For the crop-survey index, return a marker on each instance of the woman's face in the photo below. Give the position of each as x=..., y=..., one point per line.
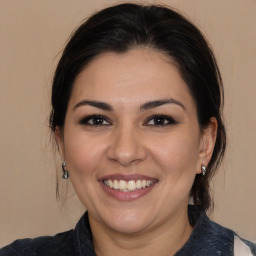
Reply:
x=131, y=140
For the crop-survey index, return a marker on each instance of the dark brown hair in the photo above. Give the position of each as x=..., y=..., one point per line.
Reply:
x=125, y=26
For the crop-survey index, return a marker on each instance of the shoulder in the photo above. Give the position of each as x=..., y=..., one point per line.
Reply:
x=240, y=246
x=244, y=247
x=60, y=244
x=211, y=239
x=225, y=236
x=73, y=242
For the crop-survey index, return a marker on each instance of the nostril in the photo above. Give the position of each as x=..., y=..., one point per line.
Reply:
x=125, y=159
x=126, y=156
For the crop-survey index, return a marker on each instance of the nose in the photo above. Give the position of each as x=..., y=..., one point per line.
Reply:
x=126, y=147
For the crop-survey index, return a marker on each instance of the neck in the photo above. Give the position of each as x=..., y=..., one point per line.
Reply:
x=164, y=240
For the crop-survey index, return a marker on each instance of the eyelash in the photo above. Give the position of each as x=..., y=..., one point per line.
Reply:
x=85, y=121
x=163, y=119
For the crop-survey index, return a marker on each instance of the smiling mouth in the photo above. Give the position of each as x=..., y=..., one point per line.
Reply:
x=128, y=186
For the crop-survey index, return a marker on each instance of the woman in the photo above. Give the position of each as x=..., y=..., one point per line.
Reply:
x=136, y=112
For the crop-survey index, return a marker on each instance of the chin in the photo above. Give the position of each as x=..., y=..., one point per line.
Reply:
x=129, y=227
x=128, y=221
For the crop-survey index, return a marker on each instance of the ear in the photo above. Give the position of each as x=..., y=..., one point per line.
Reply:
x=207, y=143
x=59, y=138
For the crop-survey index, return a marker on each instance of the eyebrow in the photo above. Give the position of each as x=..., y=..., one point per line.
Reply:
x=96, y=104
x=158, y=103
x=145, y=106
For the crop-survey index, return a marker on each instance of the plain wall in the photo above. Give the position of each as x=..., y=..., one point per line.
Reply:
x=32, y=35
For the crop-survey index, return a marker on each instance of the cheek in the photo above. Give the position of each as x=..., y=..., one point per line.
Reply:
x=82, y=154
x=177, y=153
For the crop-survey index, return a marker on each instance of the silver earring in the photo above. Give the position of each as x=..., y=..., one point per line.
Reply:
x=65, y=174
x=203, y=169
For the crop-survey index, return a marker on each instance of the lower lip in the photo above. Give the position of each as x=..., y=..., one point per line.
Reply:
x=127, y=196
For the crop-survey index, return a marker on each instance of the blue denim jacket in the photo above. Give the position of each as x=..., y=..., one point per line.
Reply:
x=207, y=238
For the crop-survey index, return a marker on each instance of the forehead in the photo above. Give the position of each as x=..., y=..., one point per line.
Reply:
x=137, y=75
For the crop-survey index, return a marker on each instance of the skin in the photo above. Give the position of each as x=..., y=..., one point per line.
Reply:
x=130, y=141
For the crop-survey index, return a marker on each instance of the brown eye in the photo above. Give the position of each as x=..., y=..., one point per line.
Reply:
x=95, y=120
x=160, y=120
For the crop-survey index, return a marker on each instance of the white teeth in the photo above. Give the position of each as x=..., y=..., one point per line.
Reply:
x=131, y=185
x=122, y=185
x=115, y=184
x=127, y=186
x=138, y=184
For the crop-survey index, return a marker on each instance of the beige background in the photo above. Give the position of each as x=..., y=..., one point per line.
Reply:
x=33, y=33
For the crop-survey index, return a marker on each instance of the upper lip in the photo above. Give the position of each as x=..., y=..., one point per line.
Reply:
x=127, y=177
